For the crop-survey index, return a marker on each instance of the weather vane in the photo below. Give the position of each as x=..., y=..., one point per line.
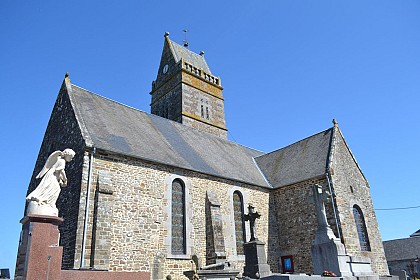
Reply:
x=185, y=40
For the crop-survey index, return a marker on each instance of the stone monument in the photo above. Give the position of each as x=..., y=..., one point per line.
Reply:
x=328, y=253
x=43, y=199
x=39, y=254
x=255, y=259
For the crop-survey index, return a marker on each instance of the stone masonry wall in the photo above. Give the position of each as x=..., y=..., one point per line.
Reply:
x=63, y=132
x=212, y=119
x=138, y=219
x=351, y=188
x=293, y=209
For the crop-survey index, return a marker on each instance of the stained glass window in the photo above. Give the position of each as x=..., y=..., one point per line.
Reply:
x=238, y=213
x=361, y=228
x=178, y=218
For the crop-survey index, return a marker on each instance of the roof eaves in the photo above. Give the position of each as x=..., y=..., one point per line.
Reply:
x=183, y=167
x=316, y=177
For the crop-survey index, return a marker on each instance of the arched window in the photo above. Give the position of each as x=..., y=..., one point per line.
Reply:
x=178, y=246
x=361, y=228
x=238, y=215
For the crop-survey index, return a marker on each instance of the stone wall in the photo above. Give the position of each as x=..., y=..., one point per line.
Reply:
x=182, y=97
x=195, y=99
x=63, y=132
x=293, y=209
x=167, y=99
x=139, y=219
x=351, y=188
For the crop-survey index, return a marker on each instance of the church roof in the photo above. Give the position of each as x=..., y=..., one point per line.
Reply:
x=114, y=127
x=297, y=162
x=402, y=249
x=189, y=56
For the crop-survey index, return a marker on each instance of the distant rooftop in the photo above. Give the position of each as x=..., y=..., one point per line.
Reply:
x=416, y=234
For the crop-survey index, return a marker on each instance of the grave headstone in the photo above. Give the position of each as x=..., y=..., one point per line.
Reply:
x=255, y=259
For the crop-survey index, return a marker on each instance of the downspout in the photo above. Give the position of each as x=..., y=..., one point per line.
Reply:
x=85, y=224
x=333, y=205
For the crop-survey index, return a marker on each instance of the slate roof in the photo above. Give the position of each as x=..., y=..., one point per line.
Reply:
x=297, y=162
x=189, y=56
x=115, y=127
x=402, y=249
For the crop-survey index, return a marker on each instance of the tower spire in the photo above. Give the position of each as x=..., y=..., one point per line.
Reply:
x=186, y=91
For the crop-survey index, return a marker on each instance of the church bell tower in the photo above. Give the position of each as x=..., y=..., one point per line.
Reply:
x=185, y=90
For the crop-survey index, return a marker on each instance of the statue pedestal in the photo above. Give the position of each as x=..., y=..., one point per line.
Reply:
x=255, y=260
x=328, y=253
x=39, y=256
x=44, y=210
x=331, y=256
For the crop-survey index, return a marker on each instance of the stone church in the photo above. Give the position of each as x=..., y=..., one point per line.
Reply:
x=142, y=185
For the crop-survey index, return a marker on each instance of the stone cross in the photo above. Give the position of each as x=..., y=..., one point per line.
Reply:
x=251, y=217
x=320, y=198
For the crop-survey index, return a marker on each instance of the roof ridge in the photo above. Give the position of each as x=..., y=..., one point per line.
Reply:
x=176, y=123
x=397, y=239
x=178, y=45
x=296, y=142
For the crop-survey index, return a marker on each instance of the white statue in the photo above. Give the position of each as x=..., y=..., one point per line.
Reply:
x=42, y=200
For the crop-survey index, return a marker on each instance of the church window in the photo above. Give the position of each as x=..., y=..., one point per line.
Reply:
x=361, y=228
x=238, y=214
x=207, y=112
x=202, y=111
x=178, y=218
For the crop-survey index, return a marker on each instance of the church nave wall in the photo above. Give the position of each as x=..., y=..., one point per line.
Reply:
x=136, y=230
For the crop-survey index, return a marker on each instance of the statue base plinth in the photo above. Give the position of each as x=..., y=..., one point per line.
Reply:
x=34, y=208
x=39, y=255
x=329, y=254
x=255, y=260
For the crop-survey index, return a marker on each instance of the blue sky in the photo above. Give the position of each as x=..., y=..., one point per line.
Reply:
x=288, y=68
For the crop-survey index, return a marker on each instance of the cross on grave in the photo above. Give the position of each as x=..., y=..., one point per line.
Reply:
x=251, y=217
x=320, y=197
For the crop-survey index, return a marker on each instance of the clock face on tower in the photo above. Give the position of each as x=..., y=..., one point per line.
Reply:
x=165, y=69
